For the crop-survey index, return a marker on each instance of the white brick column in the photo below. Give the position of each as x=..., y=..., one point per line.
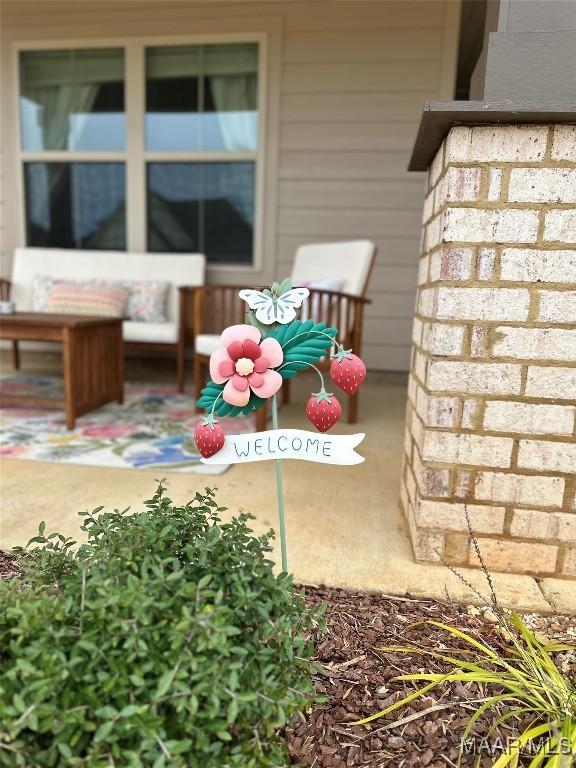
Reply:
x=491, y=417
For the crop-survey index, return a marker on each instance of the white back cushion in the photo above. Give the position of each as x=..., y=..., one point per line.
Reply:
x=348, y=262
x=69, y=264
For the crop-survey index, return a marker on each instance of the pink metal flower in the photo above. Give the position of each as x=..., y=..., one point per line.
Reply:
x=245, y=362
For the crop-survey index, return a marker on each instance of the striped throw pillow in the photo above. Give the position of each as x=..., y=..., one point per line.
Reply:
x=77, y=299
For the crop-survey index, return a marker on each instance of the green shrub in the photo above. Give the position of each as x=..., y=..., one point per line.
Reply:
x=165, y=640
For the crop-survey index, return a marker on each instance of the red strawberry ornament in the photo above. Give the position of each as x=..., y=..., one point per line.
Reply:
x=347, y=371
x=323, y=410
x=209, y=436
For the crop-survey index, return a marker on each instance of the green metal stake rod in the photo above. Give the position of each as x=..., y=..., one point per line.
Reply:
x=280, y=491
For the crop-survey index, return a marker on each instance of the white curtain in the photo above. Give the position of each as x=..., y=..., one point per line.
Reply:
x=57, y=105
x=235, y=97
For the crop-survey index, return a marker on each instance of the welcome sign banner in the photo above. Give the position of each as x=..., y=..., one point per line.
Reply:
x=289, y=444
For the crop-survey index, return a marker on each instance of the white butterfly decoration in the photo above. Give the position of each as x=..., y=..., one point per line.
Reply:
x=275, y=309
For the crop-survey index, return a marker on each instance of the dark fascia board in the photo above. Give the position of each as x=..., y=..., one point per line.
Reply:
x=439, y=116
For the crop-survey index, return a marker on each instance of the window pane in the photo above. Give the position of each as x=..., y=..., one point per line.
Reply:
x=75, y=205
x=202, y=207
x=172, y=98
x=202, y=97
x=72, y=100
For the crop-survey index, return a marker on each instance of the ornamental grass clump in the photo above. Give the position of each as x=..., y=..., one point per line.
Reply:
x=522, y=685
x=165, y=640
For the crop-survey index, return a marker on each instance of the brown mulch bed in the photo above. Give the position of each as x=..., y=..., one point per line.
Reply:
x=357, y=679
x=8, y=566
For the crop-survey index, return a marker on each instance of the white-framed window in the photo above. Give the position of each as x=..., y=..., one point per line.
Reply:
x=152, y=146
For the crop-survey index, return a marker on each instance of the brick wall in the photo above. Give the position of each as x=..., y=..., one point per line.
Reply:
x=491, y=417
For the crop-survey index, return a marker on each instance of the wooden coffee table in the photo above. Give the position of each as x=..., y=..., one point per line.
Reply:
x=93, y=357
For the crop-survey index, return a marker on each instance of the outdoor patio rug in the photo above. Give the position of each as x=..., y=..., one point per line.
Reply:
x=153, y=429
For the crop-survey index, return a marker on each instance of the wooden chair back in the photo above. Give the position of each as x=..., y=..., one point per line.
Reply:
x=333, y=308
x=218, y=306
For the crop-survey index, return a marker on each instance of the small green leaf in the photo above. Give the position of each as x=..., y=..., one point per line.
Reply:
x=106, y=712
x=104, y=731
x=19, y=703
x=65, y=750
x=232, y=711
x=164, y=683
x=179, y=747
x=129, y=710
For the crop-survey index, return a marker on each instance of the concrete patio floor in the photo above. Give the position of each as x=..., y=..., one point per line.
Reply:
x=344, y=524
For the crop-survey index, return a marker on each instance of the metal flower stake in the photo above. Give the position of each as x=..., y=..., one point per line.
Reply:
x=249, y=368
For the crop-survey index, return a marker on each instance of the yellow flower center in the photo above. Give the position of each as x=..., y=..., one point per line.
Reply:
x=244, y=366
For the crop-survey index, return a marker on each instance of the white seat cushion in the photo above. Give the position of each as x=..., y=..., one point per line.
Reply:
x=160, y=333
x=348, y=262
x=206, y=343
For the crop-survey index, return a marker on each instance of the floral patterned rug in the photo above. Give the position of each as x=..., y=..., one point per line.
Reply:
x=153, y=429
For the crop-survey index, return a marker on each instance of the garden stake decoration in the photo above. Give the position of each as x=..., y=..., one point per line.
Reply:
x=249, y=368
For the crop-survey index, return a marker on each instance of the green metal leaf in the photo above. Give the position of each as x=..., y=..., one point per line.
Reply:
x=303, y=343
x=284, y=286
